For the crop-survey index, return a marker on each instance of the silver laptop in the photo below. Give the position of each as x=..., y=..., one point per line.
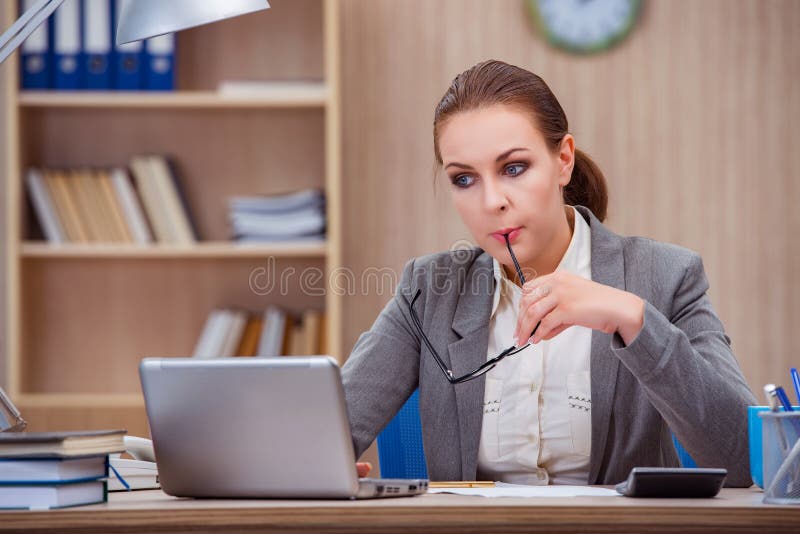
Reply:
x=255, y=427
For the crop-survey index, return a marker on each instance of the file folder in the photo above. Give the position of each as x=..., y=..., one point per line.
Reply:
x=67, y=46
x=96, y=55
x=160, y=63
x=127, y=60
x=35, y=55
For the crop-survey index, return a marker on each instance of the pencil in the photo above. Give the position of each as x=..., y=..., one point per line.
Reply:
x=462, y=484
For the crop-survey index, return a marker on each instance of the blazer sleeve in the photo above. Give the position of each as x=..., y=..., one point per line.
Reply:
x=686, y=367
x=382, y=370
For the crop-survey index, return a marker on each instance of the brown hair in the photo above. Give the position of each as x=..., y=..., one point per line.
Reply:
x=496, y=82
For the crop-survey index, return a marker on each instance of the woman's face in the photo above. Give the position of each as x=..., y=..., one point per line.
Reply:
x=504, y=178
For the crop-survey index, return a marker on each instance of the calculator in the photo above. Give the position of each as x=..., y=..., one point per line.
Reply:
x=673, y=482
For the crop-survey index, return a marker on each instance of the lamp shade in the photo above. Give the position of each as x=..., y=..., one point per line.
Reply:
x=142, y=19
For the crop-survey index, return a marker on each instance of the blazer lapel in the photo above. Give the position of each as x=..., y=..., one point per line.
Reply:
x=471, y=323
x=608, y=268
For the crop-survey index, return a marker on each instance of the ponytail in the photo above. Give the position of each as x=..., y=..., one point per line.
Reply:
x=587, y=186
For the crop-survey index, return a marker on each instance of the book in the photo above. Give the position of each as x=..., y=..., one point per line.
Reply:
x=311, y=322
x=286, y=337
x=44, y=207
x=131, y=207
x=102, y=209
x=297, y=342
x=249, y=343
x=151, y=199
x=272, y=333
x=114, y=207
x=212, y=337
x=61, y=444
x=323, y=333
x=66, y=205
x=233, y=336
x=137, y=474
x=80, y=188
x=173, y=201
x=52, y=470
x=42, y=496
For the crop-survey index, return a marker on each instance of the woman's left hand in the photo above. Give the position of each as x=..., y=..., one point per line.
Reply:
x=562, y=299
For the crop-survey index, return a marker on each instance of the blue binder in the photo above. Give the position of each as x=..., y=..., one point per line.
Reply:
x=160, y=63
x=96, y=56
x=35, y=60
x=67, y=46
x=127, y=60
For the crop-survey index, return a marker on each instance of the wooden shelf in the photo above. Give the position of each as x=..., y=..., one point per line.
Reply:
x=210, y=249
x=274, y=95
x=80, y=400
x=81, y=316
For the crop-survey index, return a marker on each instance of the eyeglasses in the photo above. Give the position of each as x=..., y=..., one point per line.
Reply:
x=483, y=369
x=486, y=366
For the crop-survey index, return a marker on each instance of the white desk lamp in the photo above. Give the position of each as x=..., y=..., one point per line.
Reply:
x=138, y=19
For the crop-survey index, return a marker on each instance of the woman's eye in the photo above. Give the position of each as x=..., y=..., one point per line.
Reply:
x=515, y=169
x=462, y=180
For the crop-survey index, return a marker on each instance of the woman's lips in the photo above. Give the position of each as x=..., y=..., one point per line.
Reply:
x=513, y=233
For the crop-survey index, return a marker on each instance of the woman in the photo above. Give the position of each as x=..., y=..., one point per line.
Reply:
x=627, y=348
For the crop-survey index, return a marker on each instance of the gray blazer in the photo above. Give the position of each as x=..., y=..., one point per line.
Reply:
x=679, y=373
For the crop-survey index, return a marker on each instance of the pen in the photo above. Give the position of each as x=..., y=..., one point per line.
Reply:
x=462, y=484
x=771, y=392
x=796, y=382
x=781, y=394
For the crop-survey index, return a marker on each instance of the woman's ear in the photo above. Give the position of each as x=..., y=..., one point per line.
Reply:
x=566, y=159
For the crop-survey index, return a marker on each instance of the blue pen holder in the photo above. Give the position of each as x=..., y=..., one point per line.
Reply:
x=755, y=437
x=781, y=441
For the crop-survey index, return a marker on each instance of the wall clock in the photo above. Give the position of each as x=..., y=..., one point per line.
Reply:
x=584, y=26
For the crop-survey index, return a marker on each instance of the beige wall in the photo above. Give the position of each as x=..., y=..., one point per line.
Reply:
x=692, y=119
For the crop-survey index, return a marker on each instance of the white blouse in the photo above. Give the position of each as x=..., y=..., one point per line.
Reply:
x=537, y=404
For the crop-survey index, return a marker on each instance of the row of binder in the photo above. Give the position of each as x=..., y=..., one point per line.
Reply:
x=75, y=50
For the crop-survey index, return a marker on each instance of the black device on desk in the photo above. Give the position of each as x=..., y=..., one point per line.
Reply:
x=672, y=482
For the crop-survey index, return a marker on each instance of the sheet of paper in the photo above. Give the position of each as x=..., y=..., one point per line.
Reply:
x=502, y=489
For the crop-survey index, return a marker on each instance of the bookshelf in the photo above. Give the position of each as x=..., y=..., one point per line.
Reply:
x=81, y=316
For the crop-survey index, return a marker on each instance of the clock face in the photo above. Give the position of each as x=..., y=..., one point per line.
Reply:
x=584, y=25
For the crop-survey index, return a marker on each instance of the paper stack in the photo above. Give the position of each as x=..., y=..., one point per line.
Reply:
x=297, y=216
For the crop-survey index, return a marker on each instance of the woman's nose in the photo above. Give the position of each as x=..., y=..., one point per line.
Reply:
x=495, y=198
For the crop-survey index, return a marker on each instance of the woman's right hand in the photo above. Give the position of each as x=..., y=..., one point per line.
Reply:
x=363, y=468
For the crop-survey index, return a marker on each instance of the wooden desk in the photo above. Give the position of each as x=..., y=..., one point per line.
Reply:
x=734, y=510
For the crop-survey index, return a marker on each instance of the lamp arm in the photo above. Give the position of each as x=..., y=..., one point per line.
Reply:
x=25, y=25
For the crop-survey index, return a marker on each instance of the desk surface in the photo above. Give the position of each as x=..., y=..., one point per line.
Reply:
x=734, y=510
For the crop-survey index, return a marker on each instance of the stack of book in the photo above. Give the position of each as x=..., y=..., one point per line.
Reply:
x=40, y=470
x=293, y=216
x=230, y=332
x=107, y=206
